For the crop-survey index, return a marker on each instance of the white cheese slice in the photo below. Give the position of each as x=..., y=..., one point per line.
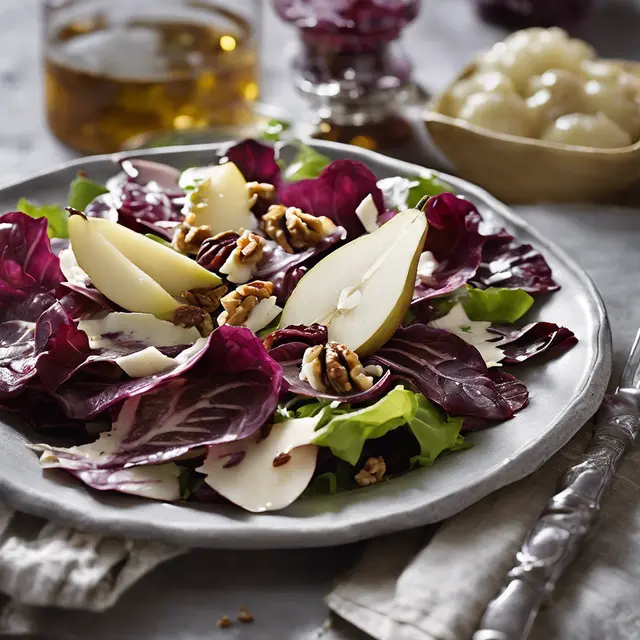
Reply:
x=254, y=483
x=427, y=265
x=135, y=327
x=472, y=331
x=374, y=370
x=144, y=363
x=71, y=269
x=367, y=212
x=235, y=270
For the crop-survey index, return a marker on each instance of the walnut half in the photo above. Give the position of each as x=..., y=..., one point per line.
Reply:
x=372, y=472
x=239, y=303
x=205, y=298
x=188, y=316
x=293, y=229
x=334, y=368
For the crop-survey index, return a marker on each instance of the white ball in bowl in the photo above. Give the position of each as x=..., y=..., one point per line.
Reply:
x=586, y=130
x=502, y=113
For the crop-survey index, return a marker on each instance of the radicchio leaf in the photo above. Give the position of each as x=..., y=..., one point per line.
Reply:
x=509, y=264
x=26, y=260
x=336, y=193
x=256, y=161
x=522, y=344
x=158, y=482
x=284, y=269
x=287, y=346
x=145, y=171
x=144, y=198
x=27, y=326
x=447, y=370
x=455, y=242
x=227, y=394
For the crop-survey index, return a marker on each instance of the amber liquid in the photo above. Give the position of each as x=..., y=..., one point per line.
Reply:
x=106, y=85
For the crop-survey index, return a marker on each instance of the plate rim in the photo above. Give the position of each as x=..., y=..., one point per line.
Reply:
x=588, y=398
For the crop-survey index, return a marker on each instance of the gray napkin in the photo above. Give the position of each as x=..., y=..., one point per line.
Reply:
x=44, y=564
x=404, y=590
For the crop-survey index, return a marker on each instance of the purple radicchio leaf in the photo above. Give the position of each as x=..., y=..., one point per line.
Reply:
x=27, y=326
x=145, y=198
x=509, y=264
x=158, y=482
x=336, y=193
x=447, y=370
x=284, y=269
x=84, y=300
x=511, y=388
x=256, y=161
x=146, y=171
x=26, y=259
x=287, y=346
x=87, y=383
x=455, y=242
x=519, y=345
x=227, y=394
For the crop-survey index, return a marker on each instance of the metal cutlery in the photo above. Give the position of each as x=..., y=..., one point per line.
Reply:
x=556, y=538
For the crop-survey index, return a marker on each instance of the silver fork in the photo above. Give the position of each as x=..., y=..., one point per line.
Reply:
x=556, y=538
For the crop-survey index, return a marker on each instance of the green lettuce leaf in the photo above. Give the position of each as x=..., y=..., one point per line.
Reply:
x=431, y=186
x=332, y=482
x=82, y=191
x=346, y=434
x=274, y=129
x=496, y=305
x=435, y=431
x=55, y=215
x=307, y=163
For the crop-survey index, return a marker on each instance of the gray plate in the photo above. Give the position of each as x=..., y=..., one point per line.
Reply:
x=565, y=392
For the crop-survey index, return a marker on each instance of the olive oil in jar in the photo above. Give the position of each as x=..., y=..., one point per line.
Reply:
x=106, y=83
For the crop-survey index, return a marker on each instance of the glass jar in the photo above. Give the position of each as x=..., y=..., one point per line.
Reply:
x=116, y=69
x=350, y=65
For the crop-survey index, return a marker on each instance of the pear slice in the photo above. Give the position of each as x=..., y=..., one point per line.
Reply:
x=362, y=291
x=220, y=200
x=173, y=271
x=114, y=275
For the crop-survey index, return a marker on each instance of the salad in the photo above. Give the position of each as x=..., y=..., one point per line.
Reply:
x=256, y=332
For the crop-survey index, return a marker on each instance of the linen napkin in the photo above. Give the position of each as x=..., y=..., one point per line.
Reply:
x=45, y=564
x=402, y=589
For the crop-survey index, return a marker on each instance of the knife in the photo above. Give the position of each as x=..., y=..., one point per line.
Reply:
x=569, y=518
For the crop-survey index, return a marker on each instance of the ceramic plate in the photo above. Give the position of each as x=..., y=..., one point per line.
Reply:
x=565, y=392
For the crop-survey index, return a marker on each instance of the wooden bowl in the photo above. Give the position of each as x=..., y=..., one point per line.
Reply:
x=526, y=170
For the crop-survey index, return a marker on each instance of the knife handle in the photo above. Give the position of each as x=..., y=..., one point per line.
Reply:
x=556, y=538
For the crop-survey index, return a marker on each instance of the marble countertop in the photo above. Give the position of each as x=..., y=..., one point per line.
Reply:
x=183, y=599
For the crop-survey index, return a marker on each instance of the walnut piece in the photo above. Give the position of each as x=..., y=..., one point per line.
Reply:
x=293, y=229
x=244, y=615
x=250, y=247
x=239, y=303
x=372, y=472
x=257, y=190
x=224, y=623
x=207, y=298
x=191, y=316
x=333, y=367
x=188, y=239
